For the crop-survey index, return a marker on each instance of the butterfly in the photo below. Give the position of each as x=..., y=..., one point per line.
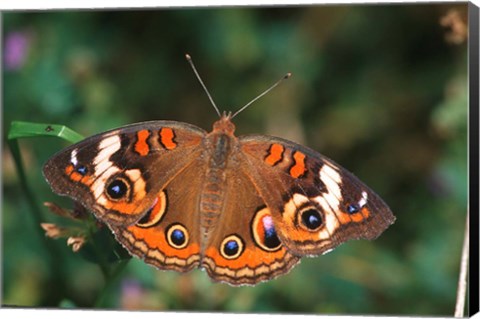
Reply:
x=246, y=209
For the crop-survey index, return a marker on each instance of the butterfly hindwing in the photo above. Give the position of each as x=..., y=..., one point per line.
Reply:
x=169, y=235
x=243, y=246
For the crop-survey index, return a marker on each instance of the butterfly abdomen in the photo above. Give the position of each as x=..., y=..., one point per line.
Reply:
x=211, y=198
x=217, y=154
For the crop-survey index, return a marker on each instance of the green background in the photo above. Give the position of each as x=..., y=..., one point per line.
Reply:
x=378, y=88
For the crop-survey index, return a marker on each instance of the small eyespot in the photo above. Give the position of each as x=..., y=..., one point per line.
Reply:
x=352, y=209
x=81, y=169
x=311, y=218
x=177, y=236
x=117, y=189
x=231, y=247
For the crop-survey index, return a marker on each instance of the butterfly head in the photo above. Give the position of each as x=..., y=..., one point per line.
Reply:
x=224, y=124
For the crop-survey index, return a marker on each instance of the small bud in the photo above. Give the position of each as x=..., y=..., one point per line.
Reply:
x=76, y=242
x=53, y=231
x=57, y=210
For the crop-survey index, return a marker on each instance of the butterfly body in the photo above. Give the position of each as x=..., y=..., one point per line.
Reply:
x=245, y=209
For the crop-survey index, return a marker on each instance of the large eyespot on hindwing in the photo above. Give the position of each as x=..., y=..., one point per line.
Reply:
x=155, y=213
x=263, y=231
x=232, y=247
x=177, y=236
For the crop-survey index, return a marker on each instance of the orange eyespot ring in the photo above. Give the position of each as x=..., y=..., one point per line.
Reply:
x=118, y=188
x=264, y=232
x=155, y=213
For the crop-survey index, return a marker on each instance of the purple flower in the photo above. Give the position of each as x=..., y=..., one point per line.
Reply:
x=15, y=49
x=132, y=294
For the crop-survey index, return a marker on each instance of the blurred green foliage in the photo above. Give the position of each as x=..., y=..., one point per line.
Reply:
x=378, y=88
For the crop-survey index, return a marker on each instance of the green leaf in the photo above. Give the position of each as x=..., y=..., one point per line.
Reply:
x=67, y=303
x=20, y=129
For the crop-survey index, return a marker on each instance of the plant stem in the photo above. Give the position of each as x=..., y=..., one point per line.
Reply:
x=54, y=254
x=102, y=261
x=110, y=280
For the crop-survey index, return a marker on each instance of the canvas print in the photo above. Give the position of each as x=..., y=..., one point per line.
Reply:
x=264, y=159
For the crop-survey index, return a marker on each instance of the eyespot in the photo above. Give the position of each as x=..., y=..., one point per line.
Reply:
x=231, y=247
x=155, y=213
x=310, y=218
x=177, y=236
x=356, y=207
x=264, y=232
x=81, y=169
x=118, y=188
x=352, y=209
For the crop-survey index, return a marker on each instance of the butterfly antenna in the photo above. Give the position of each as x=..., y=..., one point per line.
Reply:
x=286, y=76
x=189, y=59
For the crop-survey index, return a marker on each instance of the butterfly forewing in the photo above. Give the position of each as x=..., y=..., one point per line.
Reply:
x=316, y=203
x=118, y=174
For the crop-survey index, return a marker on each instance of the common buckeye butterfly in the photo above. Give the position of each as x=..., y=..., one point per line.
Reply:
x=245, y=209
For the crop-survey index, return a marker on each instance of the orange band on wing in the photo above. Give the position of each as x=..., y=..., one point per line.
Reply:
x=298, y=169
x=275, y=154
x=166, y=138
x=154, y=238
x=357, y=217
x=361, y=215
x=251, y=257
x=141, y=146
x=77, y=177
x=124, y=208
x=69, y=169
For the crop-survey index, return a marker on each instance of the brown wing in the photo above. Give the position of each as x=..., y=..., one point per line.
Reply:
x=119, y=174
x=316, y=204
x=244, y=248
x=169, y=235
